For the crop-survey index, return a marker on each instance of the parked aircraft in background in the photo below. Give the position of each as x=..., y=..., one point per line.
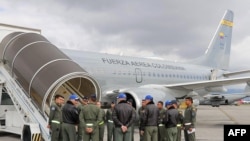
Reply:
x=221, y=99
x=226, y=98
x=246, y=100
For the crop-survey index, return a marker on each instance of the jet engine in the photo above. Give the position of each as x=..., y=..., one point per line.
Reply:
x=137, y=94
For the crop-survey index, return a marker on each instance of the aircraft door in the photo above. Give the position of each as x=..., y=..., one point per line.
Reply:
x=138, y=75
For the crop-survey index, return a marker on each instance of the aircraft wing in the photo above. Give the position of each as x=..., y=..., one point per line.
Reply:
x=208, y=84
x=236, y=73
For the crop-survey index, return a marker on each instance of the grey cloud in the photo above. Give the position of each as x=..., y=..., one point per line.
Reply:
x=184, y=28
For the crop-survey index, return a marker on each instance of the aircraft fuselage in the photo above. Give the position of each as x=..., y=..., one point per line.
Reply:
x=115, y=72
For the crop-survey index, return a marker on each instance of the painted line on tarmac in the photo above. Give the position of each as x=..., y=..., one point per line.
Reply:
x=230, y=117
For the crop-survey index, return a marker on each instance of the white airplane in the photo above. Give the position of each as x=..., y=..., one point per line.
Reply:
x=226, y=98
x=164, y=80
x=33, y=70
x=43, y=70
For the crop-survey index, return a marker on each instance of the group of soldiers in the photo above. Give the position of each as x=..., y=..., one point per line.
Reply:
x=86, y=121
x=166, y=123
x=76, y=120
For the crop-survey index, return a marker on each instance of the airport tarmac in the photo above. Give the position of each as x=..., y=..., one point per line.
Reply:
x=210, y=122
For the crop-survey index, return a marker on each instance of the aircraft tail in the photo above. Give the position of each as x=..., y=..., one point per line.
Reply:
x=217, y=55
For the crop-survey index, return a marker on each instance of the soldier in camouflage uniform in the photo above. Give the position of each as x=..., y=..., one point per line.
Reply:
x=55, y=118
x=90, y=117
x=189, y=120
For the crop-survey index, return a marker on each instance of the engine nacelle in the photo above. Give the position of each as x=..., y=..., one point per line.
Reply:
x=216, y=89
x=137, y=94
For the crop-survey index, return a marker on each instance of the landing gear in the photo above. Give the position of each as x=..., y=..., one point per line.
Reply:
x=215, y=104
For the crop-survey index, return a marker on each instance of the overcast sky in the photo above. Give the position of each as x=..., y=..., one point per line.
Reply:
x=170, y=29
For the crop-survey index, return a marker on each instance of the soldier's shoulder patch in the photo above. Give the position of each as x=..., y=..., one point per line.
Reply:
x=53, y=108
x=194, y=110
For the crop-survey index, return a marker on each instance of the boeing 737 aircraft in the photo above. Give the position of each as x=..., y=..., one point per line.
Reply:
x=33, y=70
x=42, y=70
x=138, y=77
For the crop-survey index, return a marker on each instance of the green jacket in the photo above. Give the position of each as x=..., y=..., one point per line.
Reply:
x=55, y=115
x=141, y=111
x=103, y=116
x=90, y=116
x=109, y=115
x=161, y=115
x=190, y=116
